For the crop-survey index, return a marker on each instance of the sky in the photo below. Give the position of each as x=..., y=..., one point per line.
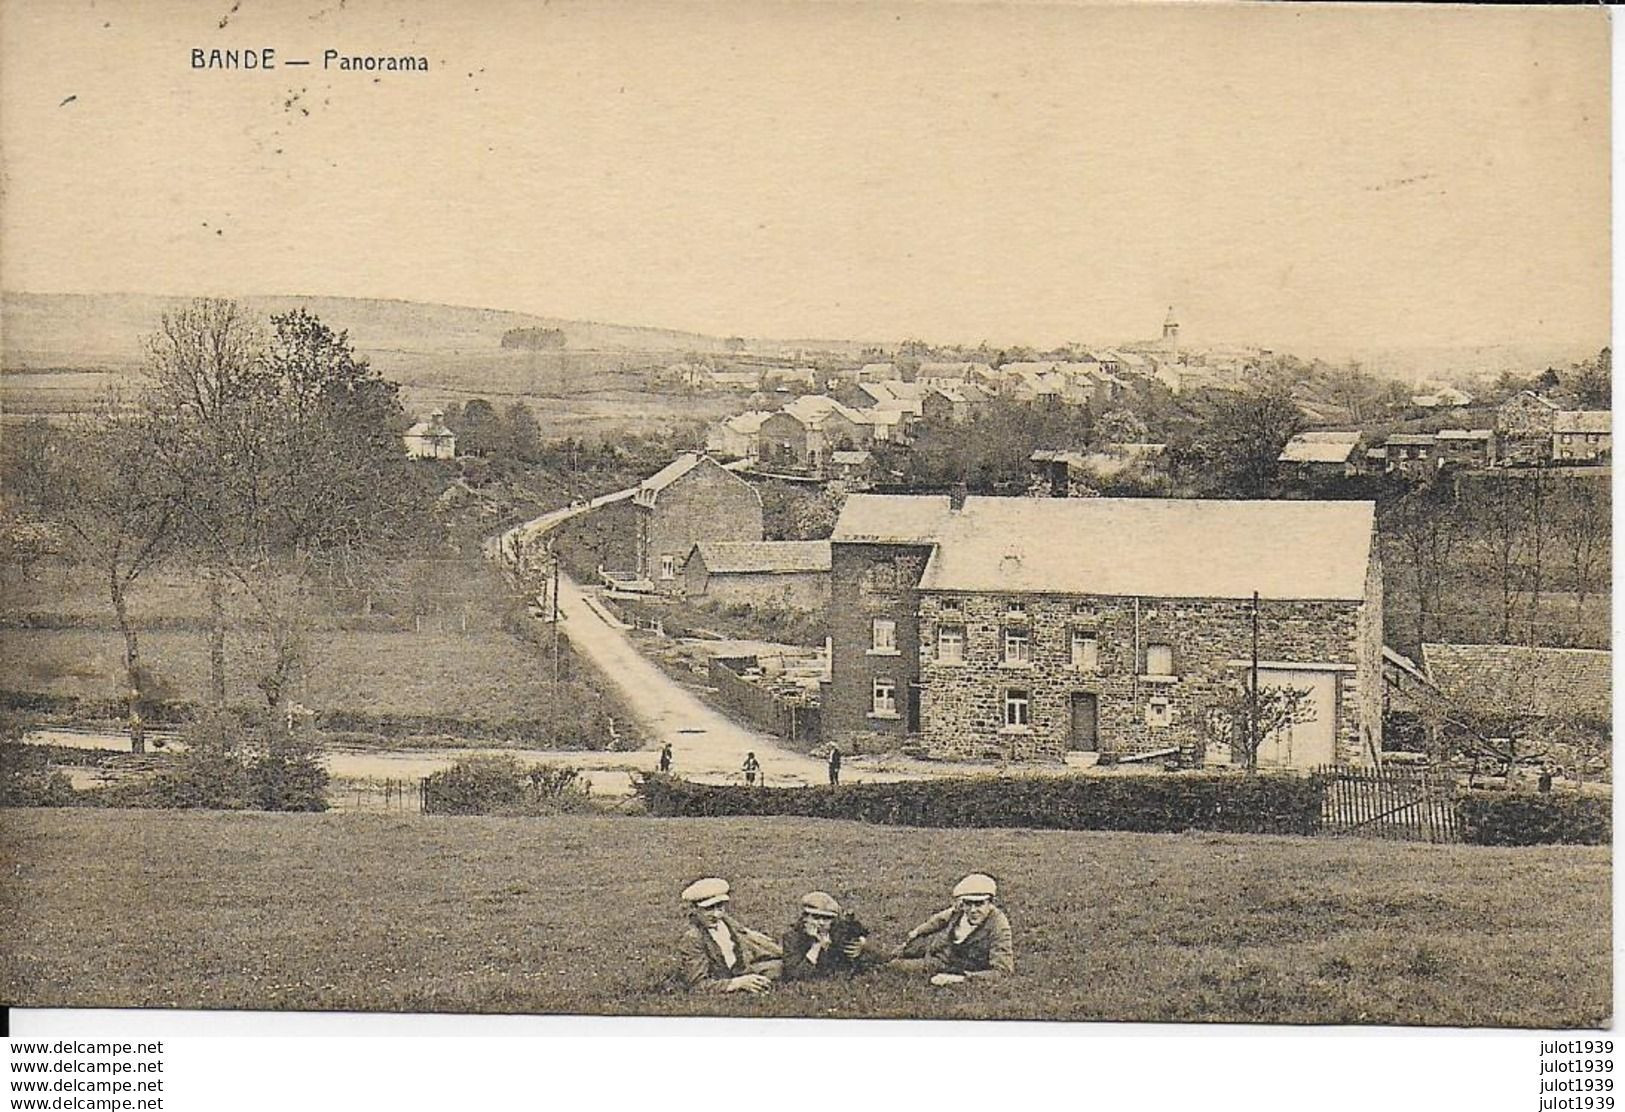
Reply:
x=1310, y=178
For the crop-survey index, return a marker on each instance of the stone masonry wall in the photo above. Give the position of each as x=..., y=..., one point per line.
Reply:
x=707, y=504
x=963, y=704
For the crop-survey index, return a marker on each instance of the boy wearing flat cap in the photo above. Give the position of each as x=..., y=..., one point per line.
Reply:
x=825, y=941
x=970, y=940
x=719, y=954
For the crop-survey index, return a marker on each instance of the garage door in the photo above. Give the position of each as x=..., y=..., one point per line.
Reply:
x=1309, y=743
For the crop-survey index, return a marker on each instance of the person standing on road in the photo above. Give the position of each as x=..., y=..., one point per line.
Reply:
x=751, y=767
x=717, y=952
x=834, y=765
x=665, y=758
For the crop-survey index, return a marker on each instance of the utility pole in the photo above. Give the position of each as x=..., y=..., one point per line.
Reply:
x=555, y=614
x=1253, y=740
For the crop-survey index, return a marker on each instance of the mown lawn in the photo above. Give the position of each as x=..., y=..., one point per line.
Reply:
x=422, y=913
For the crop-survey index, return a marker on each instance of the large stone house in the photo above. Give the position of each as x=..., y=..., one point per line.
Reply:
x=1027, y=629
x=1321, y=454
x=737, y=437
x=1583, y=436
x=803, y=433
x=691, y=500
x=1524, y=424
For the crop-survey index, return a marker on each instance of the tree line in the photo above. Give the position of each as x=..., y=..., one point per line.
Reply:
x=266, y=455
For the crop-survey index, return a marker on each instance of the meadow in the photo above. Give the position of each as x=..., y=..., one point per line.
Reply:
x=572, y=914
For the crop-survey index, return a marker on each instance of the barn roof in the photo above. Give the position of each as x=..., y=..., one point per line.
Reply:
x=1518, y=679
x=1156, y=547
x=763, y=557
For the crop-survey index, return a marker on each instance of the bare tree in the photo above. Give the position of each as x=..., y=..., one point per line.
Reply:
x=1424, y=530
x=123, y=514
x=1584, y=526
x=1498, y=507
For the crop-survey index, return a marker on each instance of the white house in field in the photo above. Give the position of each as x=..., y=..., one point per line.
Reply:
x=431, y=439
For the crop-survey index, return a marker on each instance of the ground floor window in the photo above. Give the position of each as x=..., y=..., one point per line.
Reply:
x=885, y=696
x=1017, y=708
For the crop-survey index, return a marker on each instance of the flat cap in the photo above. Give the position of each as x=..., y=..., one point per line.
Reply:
x=977, y=886
x=707, y=892
x=820, y=903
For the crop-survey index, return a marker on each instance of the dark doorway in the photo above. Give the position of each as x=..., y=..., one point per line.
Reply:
x=1085, y=722
x=913, y=708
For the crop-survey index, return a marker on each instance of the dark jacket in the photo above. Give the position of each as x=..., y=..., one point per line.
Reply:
x=833, y=960
x=988, y=952
x=705, y=968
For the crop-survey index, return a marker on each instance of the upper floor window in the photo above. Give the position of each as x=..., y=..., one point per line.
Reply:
x=1015, y=608
x=668, y=567
x=1018, y=645
x=1085, y=650
x=1159, y=660
x=951, y=644
x=883, y=635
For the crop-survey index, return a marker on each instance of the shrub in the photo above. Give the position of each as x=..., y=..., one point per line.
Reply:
x=1529, y=819
x=1228, y=802
x=503, y=785
x=232, y=762
x=26, y=779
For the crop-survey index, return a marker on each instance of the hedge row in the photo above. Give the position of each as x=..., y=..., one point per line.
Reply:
x=1532, y=819
x=1230, y=803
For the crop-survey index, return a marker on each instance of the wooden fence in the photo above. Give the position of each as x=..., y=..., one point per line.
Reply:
x=1400, y=803
x=376, y=795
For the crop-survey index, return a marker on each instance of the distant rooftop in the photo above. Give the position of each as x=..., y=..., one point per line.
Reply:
x=764, y=557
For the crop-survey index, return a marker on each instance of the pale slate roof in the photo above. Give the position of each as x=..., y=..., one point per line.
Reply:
x=429, y=430
x=1583, y=420
x=1522, y=680
x=669, y=474
x=1319, y=447
x=763, y=557
x=1464, y=434
x=748, y=422
x=1157, y=547
x=812, y=410
x=891, y=518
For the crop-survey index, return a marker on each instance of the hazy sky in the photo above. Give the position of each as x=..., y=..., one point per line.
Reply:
x=1303, y=177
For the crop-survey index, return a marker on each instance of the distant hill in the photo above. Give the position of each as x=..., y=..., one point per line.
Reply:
x=1461, y=365
x=68, y=330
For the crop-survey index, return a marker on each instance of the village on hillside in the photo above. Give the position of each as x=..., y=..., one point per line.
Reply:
x=1080, y=513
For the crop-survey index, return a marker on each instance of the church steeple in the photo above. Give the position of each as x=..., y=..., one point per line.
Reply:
x=1170, y=329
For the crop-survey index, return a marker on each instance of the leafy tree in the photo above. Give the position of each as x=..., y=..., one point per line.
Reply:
x=287, y=449
x=481, y=430
x=1592, y=381
x=523, y=433
x=1120, y=426
x=1239, y=444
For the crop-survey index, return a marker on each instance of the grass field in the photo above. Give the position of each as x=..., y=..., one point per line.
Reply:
x=374, y=912
x=490, y=677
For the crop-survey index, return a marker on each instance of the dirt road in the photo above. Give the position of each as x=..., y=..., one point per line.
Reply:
x=706, y=744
